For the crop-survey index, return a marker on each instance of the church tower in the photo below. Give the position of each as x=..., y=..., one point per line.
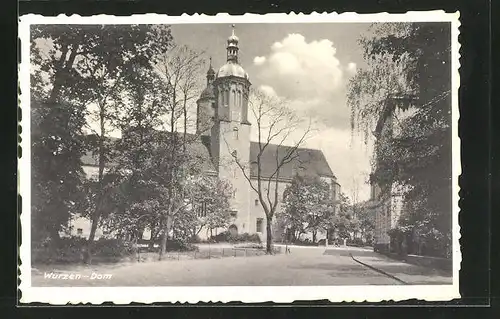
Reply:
x=230, y=134
x=206, y=106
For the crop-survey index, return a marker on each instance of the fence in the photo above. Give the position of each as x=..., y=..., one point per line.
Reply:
x=211, y=253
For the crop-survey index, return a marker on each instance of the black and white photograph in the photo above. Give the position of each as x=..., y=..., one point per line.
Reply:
x=239, y=158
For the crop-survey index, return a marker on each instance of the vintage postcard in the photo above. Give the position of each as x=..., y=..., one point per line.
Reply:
x=250, y=158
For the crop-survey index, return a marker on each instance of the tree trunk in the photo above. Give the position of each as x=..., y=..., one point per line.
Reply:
x=151, y=244
x=269, y=236
x=63, y=68
x=164, y=238
x=163, y=245
x=314, y=233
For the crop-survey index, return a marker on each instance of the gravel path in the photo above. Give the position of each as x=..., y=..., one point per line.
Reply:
x=304, y=266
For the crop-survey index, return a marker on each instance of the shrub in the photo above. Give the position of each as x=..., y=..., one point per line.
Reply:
x=179, y=245
x=226, y=237
x=221, y=237
x=71, y=250
x=195, y=239
x=113, y=248
x=305, y=242
x=356, y=242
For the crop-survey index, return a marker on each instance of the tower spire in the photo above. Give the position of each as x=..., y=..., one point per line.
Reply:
x=232, y=46
x=210, y=73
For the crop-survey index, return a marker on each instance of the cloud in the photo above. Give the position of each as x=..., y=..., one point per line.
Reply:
x=259, y=60
x=268, y=90
x=310, y=75
x=351, y=68
x=297, y=68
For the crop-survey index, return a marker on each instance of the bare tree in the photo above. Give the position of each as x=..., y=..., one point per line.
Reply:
x=277, y=126
x=180, y=68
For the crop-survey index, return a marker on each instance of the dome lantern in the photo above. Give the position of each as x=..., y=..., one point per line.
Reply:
x=232, y=68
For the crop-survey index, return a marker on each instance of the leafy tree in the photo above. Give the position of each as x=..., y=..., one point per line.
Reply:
x=365, y=221
x=404, y=96
x=307, y=205
x=342, y=220
x=59, y=102
x=71, y=66
x=57, y=175
x=210, y=197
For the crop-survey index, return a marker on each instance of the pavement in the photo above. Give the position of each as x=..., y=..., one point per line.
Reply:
x=304, y=266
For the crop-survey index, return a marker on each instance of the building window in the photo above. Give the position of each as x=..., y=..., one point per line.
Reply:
x=234, y=214
x=202, y=210
x=226, y=98
x=258, y=225
x=234, y=193
x=235, y=133
x=79, y=231
x=256, y=202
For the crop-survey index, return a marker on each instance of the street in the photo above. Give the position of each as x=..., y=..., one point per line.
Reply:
x=304, y=266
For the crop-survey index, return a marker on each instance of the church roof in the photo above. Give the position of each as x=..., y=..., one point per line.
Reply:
x=232, y=69
x=197, y=149
x=309, y=162
x=208, y=93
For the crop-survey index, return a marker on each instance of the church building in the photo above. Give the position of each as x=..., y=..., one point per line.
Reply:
x=224, y=132
x=222, y=122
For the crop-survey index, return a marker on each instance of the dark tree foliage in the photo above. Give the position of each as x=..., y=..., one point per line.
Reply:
x=416, y=153
x=63, y=59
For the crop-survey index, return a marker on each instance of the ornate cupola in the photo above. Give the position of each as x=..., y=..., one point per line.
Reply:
x=232, y=67
x=232, y=48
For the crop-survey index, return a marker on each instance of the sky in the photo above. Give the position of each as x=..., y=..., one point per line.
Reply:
x=309, y=64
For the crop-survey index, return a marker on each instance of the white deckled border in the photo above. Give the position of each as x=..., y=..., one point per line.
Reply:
x=125, y=295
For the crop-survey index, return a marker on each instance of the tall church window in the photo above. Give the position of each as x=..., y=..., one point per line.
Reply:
x=235, y=133
x=256, y=202
x=226, y=97
x=258, y=225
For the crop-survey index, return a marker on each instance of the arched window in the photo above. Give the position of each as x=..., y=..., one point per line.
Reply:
x=226, y=97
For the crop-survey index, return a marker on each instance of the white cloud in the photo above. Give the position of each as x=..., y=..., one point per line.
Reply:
x=310, y=75
x=351, y=67
x=268, y=90
x=297, y=68
x=259, y=60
